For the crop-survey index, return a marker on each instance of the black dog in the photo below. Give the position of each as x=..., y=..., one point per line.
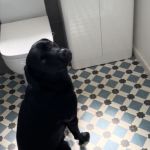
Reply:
x=50, y=104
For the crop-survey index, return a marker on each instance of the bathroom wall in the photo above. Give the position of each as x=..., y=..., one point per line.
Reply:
x=12, y=10
x=142, y=32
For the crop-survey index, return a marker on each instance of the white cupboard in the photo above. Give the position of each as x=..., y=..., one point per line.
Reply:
x=98, y=31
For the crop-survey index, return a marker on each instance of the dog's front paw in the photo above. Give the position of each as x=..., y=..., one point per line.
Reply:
x=84, y=138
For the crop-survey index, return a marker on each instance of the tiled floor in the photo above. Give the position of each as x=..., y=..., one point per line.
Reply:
x=113, y=105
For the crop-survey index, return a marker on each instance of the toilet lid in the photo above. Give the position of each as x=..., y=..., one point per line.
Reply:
x=16, y=38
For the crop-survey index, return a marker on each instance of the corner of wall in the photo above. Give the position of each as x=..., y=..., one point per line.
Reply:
x=143, y=61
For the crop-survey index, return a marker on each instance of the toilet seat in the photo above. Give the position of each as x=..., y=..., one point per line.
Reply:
x=16, y=38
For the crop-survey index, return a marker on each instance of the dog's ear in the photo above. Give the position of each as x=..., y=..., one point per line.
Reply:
x=65, y=55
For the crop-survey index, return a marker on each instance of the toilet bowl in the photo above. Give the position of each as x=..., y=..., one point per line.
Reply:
x=16, y=39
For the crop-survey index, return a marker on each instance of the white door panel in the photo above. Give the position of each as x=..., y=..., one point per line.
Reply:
x=117, y=27
x=82, y=24
x=98, y=31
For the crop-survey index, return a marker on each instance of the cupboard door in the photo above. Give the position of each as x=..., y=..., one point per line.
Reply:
x=117, y=28
x=82, y=25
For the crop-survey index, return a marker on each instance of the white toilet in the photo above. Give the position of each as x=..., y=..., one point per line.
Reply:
x=16, y=39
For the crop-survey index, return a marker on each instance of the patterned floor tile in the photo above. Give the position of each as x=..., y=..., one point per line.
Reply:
x=102, y=123
x=138, y=139
x=145, y=124
x=120, y=131
x=111, y=145
x=127, y=117
x=113, y=105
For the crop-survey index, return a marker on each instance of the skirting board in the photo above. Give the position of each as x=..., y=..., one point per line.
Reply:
x=140, y=57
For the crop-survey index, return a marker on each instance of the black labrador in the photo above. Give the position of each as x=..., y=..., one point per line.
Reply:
x=50, y=104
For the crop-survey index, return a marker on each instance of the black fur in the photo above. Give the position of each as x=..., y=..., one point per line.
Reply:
x=50, y=104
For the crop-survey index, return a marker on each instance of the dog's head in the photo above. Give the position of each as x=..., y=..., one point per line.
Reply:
x=46, y=61
x=45, y=54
